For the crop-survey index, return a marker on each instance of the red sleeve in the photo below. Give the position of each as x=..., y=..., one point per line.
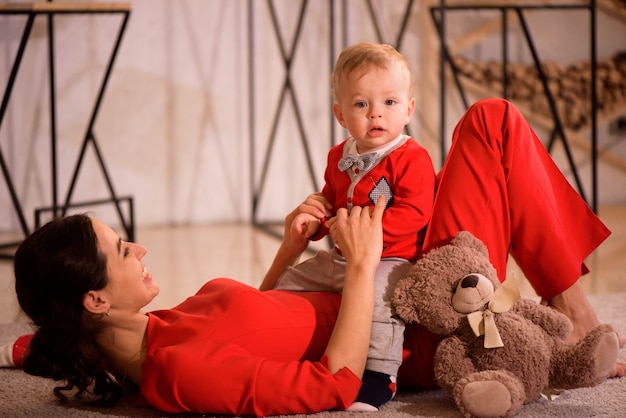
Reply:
x=21, y=348
x=225, y=379
x=329, y=190
x=413, y=182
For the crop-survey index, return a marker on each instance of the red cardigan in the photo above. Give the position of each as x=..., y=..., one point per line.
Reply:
x=409, y=173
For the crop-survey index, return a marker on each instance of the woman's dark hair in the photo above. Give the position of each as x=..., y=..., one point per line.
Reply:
x=54, y=268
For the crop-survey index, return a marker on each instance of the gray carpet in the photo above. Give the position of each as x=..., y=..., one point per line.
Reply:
x=22, y=395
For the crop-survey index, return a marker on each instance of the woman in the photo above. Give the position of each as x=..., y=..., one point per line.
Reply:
x=91, y=287
x=231, y=349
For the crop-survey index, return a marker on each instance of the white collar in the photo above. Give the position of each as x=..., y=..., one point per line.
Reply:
x=382, y=150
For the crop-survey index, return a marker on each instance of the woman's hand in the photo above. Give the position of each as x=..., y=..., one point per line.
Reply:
x=359, y=234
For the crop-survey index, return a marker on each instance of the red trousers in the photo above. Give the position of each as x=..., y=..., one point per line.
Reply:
x=500, y=183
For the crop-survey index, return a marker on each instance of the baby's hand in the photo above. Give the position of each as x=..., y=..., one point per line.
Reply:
x=303, y=222
x=305, y=225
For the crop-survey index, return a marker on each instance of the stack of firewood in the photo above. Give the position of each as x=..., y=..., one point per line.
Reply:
x=620, y=3
x=569, y=85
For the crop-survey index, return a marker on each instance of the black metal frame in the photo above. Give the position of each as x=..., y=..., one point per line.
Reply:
x=438, y=14
x=39, y=212
x=287, y=58
x=56, y=208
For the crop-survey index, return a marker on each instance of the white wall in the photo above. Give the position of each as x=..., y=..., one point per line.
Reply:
x=174, y=123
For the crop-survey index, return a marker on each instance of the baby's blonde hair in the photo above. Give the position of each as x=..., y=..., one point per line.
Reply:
x=359, y=56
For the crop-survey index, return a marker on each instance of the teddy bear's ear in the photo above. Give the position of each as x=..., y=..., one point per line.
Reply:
x=468, y=240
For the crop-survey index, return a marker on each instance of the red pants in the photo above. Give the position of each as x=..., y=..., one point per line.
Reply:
x=500, y=183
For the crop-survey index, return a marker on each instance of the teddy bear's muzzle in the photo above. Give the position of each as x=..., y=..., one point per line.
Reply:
x=472, y=293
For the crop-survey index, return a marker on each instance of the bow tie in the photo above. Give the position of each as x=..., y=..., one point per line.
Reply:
x=483, y=322
x=362, y=162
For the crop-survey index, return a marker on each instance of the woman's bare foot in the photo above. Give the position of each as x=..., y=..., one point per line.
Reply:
x=574, y=304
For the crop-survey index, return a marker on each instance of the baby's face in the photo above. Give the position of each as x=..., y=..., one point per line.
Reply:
x=374, y=105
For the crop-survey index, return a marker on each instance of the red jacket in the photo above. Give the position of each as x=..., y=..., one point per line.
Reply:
x=408, y=172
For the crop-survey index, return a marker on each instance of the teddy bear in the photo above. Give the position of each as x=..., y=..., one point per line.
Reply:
x=497, y=351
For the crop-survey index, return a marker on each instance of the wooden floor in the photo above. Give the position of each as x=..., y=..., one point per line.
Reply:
x=181, y=259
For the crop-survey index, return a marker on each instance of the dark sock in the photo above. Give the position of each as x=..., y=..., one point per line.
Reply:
x=377, y=389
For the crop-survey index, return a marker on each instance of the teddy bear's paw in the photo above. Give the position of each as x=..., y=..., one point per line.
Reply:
x=490, y=393
x=605, y=356
x=406, y=294
x=589, y=362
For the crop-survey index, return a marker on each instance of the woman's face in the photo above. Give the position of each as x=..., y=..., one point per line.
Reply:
x=130, y=286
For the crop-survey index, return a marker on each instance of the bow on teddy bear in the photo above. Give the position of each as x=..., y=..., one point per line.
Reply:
x=498, y=301
x=495, y=356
